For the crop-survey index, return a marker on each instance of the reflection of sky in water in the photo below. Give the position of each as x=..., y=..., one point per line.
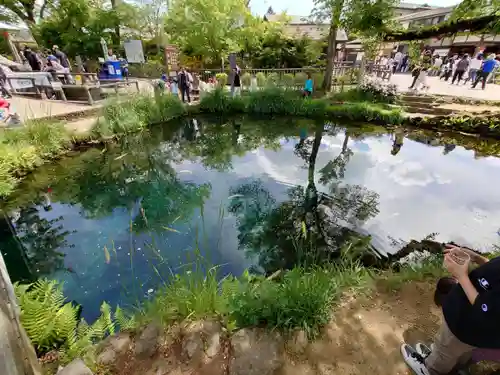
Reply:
x=421, y=191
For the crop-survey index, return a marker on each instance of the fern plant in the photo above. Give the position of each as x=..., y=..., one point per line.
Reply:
x=51, y=322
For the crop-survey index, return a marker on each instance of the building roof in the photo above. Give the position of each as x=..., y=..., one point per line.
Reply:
x=414, y=6
x=294, y=20
x=426, y=14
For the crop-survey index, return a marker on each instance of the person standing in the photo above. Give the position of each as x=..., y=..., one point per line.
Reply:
x=461, y=67
x=32, y=59
x=184, y=85
x=488, y=66
x=474, y=67
x=237, y=82
x=398, y=58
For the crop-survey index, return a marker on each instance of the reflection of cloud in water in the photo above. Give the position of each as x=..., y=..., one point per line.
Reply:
x=421, y=190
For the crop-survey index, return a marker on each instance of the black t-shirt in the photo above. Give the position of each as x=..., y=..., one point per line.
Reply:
x=479, y=324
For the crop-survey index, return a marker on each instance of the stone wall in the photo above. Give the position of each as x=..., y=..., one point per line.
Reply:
x=17, y=356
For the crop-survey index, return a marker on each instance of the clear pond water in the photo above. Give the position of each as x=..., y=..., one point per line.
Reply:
x=114, y=223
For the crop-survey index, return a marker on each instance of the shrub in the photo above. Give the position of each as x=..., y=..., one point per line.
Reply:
x=219, y=101
x=317, y=80
x=273, y=79
x=261, y=79
x=221, y=79
x=377, y=91
x=303, y=299
x=151, y=69
x=300, y=79
x=168, y=107
x=288, y=80
x=274, y=101
x=246, y=79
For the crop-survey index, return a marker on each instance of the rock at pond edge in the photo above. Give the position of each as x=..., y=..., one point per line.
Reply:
x=256, y=352
x=75, y=367
x=147, y=342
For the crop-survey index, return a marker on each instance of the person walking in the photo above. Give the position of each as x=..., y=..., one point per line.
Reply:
x=470, y=310
x=488, y=66
x=184, y=84
x=404, y=63
x=461, y=67
x=474, y=67
x=436, y=67
x=398, y=58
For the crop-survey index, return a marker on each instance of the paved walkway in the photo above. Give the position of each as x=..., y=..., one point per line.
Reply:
x=492, y=92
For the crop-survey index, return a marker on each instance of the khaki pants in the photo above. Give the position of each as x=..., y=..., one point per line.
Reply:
x=448, y=352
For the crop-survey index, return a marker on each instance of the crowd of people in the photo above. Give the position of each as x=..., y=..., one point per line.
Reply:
x=457, y=67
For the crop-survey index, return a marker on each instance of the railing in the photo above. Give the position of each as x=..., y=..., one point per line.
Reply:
x=343, y=74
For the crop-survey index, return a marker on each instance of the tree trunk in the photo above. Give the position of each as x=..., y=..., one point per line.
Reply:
x=330, y=56
x=116, y=36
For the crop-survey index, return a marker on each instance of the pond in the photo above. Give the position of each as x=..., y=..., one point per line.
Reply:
x=116, y=222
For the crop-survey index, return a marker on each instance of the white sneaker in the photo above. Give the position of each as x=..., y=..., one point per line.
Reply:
x=414, y=360
x=423, y=349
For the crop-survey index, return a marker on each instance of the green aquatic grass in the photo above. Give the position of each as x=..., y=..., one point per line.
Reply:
x=25, y=148
x=278, y=101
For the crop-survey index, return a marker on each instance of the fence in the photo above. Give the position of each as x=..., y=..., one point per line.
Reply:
x=343, y=74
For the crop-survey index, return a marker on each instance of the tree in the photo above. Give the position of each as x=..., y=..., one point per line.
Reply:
x=369, y=17
x=77, y=26
x=211, y=28
x=21, y=10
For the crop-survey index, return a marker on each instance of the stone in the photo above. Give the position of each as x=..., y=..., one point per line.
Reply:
x=112, y=347
x=107, y=357
x=256, y=352
x=75, y=367
x=213, y=345
x=192, y=346
x=147, y=342
x=297, y=344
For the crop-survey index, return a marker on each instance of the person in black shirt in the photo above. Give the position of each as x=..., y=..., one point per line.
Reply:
x=471, y=312
x=184, y=84
x=61, y=56
x=32, y=59
x=236, y=82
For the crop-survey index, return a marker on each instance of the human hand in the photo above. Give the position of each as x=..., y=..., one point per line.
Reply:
x=473, y=255
x=457, y=270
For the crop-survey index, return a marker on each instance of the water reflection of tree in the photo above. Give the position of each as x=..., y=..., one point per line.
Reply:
x=30, y=244
x=309, y=226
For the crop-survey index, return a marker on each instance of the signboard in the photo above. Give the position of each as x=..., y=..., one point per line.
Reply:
x=21, y=83
x=172, y=57
x=133, y=51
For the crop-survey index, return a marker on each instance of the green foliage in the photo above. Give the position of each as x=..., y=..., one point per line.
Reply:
x=273, y=79
x=150, y=69
x=77, y=26
x=302, y=299
x=288, y=80
x=209, y=29
x=219, y=101
x=52, y=323
x=23, y=149
x=261, y=79
x=300, y=79
x=246, y=79
x=136, y=113
x=276, y=101
x=429, y=269
x=221, y=79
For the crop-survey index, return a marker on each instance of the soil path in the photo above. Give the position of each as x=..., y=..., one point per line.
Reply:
x=365, y=334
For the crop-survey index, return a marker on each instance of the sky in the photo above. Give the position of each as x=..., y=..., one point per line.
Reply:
x=303, y=7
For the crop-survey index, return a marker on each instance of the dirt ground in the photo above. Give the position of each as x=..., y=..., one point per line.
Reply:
x=365, y=335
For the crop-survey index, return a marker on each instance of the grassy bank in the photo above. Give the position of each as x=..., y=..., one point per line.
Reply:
x=301, y=298
x=24, y=149
x=276, y=101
